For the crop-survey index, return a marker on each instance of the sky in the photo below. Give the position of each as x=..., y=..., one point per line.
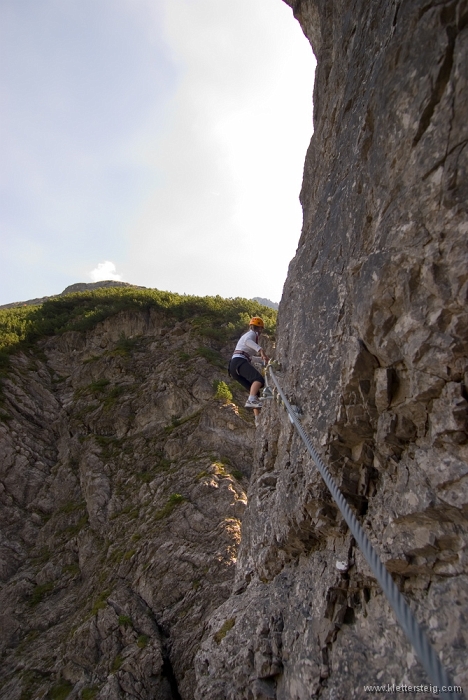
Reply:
x=157, y=142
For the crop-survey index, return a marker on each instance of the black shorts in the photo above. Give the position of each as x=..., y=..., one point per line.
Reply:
x=243, y=372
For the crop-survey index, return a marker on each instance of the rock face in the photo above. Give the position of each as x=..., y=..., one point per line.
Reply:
x=122, y=483
x=373, y=342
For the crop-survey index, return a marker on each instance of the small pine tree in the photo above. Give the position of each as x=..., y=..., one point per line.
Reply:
x=222, y=392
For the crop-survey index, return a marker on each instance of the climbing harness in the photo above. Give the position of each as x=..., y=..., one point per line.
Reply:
x=427, y=655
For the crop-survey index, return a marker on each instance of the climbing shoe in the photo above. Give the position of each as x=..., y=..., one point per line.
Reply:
x=253, y=403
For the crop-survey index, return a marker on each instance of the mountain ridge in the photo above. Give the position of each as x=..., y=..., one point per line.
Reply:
x=87, y=286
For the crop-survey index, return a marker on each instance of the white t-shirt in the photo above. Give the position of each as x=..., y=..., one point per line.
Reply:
x=248, y=344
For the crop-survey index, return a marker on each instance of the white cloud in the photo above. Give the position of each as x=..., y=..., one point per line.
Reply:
x=105, y=271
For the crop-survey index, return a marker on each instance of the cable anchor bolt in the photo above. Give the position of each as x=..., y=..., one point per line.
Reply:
x=297, y=412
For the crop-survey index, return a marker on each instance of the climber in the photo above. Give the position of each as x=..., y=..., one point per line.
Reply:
x=240, y=367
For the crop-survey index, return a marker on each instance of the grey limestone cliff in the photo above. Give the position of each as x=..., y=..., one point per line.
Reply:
x=373, y=341
x=122, y=486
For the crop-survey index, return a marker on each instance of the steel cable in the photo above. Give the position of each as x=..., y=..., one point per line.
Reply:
x=426, y=653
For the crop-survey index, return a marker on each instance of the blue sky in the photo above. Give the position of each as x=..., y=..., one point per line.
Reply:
x=156, y=141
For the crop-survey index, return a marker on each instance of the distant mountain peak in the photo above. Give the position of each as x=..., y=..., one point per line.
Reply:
x=266, y=302
x=84, y=286
x=73, y=288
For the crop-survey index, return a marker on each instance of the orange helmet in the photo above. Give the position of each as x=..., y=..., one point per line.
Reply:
x=256, y=321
